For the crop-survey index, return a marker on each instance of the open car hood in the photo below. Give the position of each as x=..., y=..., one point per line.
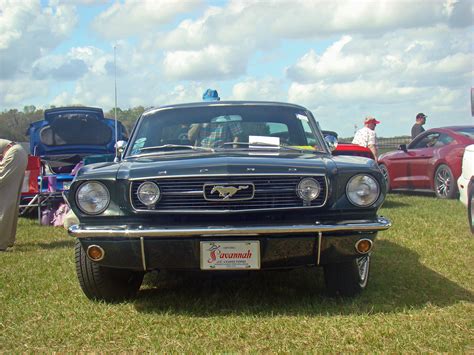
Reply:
x=74, y=130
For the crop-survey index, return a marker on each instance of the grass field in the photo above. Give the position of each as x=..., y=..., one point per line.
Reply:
x=420, y=298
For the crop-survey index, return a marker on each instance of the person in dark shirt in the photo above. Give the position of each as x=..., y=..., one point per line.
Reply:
x=418, y=126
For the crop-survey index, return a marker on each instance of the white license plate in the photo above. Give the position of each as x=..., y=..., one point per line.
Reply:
x=225, y=255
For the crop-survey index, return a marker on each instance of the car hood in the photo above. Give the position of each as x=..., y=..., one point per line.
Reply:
x=225, y=163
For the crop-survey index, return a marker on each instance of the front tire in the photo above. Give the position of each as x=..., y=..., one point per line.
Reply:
x=444, y=185
x=349, y=278
x=386, y=175
x=103, y=283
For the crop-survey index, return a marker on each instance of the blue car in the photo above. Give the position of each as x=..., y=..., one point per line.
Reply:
x=69, y=134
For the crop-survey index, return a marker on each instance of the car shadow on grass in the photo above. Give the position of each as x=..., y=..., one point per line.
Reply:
x=409, y=192
x=394, y=204
x=54, y=244
x=398, y=282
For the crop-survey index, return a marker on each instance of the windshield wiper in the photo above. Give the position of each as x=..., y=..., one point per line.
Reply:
x=171, y=147
x=264, y=145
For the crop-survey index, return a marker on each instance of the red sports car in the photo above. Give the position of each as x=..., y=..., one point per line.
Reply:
x=431, y=162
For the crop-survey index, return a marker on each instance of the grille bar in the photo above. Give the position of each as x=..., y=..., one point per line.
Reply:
x=187, y=194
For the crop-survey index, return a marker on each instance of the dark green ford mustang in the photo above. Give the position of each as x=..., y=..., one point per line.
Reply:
x=225, y=186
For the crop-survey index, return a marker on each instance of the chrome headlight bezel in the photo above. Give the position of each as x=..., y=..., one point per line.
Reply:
x=102, y=188
x=363, y=181
x=155, y=199
x=308, y=181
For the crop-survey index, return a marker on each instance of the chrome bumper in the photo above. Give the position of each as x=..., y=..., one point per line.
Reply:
x=138, y=231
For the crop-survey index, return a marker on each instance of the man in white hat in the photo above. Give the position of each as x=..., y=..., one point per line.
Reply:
x=366, y=137
x=13, y=162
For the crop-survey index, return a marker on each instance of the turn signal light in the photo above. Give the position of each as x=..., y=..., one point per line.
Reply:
x=95, y=252
x=363, y=246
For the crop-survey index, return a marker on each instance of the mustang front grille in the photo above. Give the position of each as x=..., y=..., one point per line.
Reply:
x=228, y=193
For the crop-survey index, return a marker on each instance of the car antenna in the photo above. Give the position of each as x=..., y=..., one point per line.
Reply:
x=115, y=108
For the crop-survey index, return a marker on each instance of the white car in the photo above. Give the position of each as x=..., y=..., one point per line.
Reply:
x=467, y=173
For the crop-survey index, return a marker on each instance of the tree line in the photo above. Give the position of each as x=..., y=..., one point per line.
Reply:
x=14, y=123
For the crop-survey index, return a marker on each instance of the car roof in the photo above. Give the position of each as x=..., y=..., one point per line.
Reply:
x=450, y=128
x=224, y=103
x=453, y=131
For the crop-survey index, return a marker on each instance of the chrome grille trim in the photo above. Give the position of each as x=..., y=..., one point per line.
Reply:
x=186, y=195
x=219, y=175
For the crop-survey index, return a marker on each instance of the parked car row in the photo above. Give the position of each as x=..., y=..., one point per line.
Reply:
x=440, y=160
x=238, y=186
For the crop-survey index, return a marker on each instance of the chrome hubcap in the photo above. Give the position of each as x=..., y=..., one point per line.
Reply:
x=443, y=182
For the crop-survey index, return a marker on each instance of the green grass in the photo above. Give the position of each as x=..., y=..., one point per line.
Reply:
x=420, y=298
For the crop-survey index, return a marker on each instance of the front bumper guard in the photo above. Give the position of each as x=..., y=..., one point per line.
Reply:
x=139, y=231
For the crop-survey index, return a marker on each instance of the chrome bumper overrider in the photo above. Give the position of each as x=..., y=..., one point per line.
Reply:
x=137, y=231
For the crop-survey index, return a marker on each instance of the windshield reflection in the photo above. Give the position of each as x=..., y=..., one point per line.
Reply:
x=241, y=127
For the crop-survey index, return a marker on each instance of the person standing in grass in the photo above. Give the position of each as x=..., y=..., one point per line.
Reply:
x=366, y=137
x=13, y=162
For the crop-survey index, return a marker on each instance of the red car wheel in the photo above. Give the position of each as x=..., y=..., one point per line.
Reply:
x=444, y=182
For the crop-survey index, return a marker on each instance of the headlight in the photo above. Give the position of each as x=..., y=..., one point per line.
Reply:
x=148, y=193
x=308, y=189
x=92, y=197
x=362, y=190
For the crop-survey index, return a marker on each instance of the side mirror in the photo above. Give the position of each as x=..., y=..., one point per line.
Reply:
x=119, y=149
x=403, y=147
x=331, y=141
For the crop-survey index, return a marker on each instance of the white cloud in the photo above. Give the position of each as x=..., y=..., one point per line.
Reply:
x=191, y=92
x=254, y=26
x=133, y=17
x=260, y=22
x=16, y=92
x=333, y=64
x=268, y=89
x=58, y=68
x=213, y=62
x=357, y=92
x=63, y=99
x=28, y=31
x=407, y=58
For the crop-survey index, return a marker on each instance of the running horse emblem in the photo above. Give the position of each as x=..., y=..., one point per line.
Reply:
x=226, y=192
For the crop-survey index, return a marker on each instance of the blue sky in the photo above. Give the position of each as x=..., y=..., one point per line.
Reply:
x=342, y=59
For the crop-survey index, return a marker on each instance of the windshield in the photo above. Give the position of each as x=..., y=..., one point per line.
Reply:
x=466, y=131
x=225, y=127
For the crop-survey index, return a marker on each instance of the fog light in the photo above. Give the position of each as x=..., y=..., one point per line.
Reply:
x=363, y=246
x=95, y=253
